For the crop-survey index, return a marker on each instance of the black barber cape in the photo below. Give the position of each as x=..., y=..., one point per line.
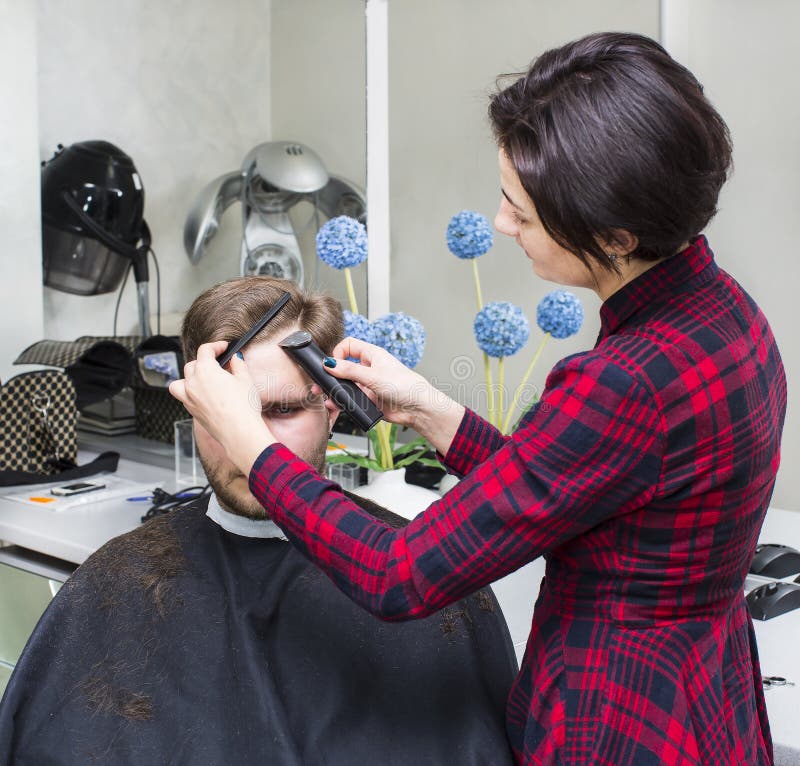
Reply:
x=182, y=643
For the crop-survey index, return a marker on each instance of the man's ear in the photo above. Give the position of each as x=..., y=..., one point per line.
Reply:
x=201, y=436
x=333, y=411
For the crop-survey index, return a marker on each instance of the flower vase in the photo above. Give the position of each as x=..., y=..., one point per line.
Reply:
x=389, y=489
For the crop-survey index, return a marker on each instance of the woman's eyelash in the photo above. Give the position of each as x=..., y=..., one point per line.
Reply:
x=518, y=218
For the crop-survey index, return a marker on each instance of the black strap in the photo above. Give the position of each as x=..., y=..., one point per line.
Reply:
x=110, y=240
x=105, y=462
x=137, y=254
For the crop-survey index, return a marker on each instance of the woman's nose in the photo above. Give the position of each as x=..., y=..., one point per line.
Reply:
x=504, y=222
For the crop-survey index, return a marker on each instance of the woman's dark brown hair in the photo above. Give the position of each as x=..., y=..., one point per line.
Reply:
x=609, y=133
x=228, y=310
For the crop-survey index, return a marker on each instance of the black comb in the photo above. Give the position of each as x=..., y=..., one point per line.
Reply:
x=238, y=345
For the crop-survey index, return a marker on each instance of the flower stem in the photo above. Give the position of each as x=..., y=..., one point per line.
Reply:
x=382, y=455
x=351, y=293
x=477, y=283
x=486, y=365
x=387, y=441
x=525, y=377
x=386, y=458
x=501, y=376
x=487, y=368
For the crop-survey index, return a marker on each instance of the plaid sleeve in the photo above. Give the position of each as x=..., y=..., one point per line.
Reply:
x=474, y=442
x=591, y=450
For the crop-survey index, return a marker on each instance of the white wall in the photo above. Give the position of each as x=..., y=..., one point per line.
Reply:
x=20, y=221
x=745, y=54
x=184, y=89
x=319, y=98
x=443, y=61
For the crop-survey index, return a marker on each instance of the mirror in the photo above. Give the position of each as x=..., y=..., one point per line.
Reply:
x=187, y=92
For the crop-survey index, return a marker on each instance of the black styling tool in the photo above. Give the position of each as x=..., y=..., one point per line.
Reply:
x=346, y=394
x=238, y=345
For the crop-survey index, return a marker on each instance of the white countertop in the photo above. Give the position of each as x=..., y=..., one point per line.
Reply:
x=74, y=533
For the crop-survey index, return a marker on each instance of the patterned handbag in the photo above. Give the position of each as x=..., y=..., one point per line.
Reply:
x=37, y=423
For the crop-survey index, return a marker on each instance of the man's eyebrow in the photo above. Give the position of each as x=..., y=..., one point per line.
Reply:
x=299, y=399
x=511, y=201
x=284, y=401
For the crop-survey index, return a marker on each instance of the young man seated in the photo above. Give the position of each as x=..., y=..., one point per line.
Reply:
x=203, y=637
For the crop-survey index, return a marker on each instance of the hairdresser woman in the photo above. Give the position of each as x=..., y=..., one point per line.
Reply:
x=644, y=473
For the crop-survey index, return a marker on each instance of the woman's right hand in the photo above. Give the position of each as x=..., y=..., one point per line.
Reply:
x=404, y=396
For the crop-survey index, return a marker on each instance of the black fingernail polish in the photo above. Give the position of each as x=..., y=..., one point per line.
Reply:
x=329, y=361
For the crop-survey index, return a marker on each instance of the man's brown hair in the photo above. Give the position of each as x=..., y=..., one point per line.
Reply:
x=228, y=310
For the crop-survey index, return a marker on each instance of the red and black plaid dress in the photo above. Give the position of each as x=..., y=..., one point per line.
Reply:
x=643, y=475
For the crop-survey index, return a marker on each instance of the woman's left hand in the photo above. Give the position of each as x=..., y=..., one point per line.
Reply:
x=226, y=404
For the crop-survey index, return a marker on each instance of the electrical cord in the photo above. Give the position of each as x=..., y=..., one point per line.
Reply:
x=119, y=296
x=158, y=293
x=164, y=502
x=158, y=290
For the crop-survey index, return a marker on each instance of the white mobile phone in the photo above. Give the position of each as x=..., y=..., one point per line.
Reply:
x=76, y=489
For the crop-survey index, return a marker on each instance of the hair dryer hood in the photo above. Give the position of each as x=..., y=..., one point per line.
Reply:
x=203, y=219
x=92, y=217
x=275, y=177
x=286, y=166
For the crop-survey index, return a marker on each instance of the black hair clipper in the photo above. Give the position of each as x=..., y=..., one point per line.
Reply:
x=346, y=394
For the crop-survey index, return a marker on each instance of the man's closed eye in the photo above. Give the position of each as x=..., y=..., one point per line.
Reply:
x=281, y=410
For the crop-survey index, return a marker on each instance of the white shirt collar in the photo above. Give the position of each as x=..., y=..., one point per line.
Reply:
x=241, y=525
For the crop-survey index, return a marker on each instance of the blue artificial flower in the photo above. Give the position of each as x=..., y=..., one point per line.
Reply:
x=401, y=335
x=342, y=242
x=469, y=234
x=501, y=328
x=357, y=326
x=560, y=313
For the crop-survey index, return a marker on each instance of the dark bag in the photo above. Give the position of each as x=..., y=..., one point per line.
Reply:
x=100, y=367
x=157, y=361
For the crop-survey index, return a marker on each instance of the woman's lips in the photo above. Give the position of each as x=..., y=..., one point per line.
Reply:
x=527, y=254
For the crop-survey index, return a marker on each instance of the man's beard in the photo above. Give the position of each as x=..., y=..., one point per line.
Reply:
x=221, y=480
